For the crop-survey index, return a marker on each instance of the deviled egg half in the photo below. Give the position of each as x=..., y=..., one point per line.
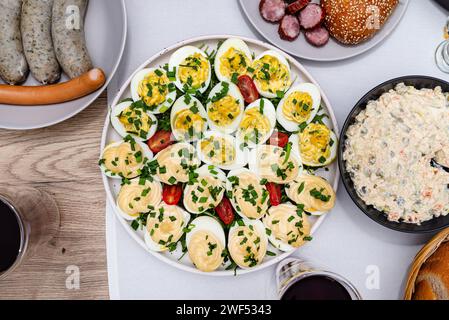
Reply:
x=258, y=123
x=129, y=118
x=206, y=243
x=192, y=69
x=125, y=159
x=250, y=198
x=233, y=59
x=275, y=164
x=137, y=197
x=165, y=226
x=222, y=150
x=299, y=105
x=316, y=144
x=287, y=227
x=153, y=87
x=315, y=193
x=176, y=163
x=247, y=243
x=225, y=107
x=188, y=119
x=207, y=191
x=272, y=74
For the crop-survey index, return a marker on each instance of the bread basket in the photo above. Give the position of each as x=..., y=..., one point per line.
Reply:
x=421, y=258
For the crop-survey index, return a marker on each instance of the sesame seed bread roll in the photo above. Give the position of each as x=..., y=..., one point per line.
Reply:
x=355, y=21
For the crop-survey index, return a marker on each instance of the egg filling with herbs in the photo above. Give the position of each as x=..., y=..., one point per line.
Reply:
x=176, y=163
x=218, y=150
x=254, y=125
x=276, y=164
x=271, y=75
x=139, y=197
x=188, y=123
x=205, y=251
x=165, y=226
x=194, y=71
x=298, y=107
x=316, y=143
x=124, y=160
x=247, y=246
x=287, y=226
x=154, y=88
x=249, y=195
x=204, y=194
x=315, y=193
x=234, y=61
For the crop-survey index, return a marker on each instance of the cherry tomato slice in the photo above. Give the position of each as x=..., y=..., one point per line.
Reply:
x=172, y=194
x=278, y=139
x=248, y=89
x=225, y=211
x=161, y=140
x=275, y=193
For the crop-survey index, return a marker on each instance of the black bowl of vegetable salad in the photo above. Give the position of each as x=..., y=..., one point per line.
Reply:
x=380, y=217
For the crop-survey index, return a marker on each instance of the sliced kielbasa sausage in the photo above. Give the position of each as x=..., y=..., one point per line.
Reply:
x=318, y=36
x=289, y=28
x=272, y=10
x=311, y=16
x=296, y=6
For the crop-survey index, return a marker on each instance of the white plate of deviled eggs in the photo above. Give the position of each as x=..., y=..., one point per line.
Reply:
x=218, y=155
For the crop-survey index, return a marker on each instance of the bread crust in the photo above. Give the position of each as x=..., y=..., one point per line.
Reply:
x=432, y=282
x=349, y=21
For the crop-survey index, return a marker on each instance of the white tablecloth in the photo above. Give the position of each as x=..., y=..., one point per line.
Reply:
x=348, y=242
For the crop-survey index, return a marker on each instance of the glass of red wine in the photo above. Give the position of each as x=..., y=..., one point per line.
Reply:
x=301, y=280
x=29, y=218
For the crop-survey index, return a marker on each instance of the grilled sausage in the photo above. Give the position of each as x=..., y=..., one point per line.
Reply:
x=54, y=93
x=311, y=16
x=13, y=65
x=68, y=36
x=37, y=40
x=289, y=28
x=272, y=10
x=296, y=6
x=318, y=36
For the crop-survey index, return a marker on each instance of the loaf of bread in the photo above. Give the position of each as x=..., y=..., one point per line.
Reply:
x=432, y=282
x=354, y=21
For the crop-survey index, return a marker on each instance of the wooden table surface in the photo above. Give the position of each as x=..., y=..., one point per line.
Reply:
x=62, y=160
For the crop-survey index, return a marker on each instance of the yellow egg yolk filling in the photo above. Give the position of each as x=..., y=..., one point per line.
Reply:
x=315, y=143
x=224, y=111
x=153, y=89
x=298, y=107
x=194, y=71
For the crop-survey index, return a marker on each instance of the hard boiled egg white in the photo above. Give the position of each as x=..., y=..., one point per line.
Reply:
x=222, y=150
x=188, y=119
x=258, y=122
x=300, y=104
x=192, y=68
x=128, y=119
x=206, y=223
x=232, y=60
x=272, y=74
x=225, y=107
x=162, y=94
